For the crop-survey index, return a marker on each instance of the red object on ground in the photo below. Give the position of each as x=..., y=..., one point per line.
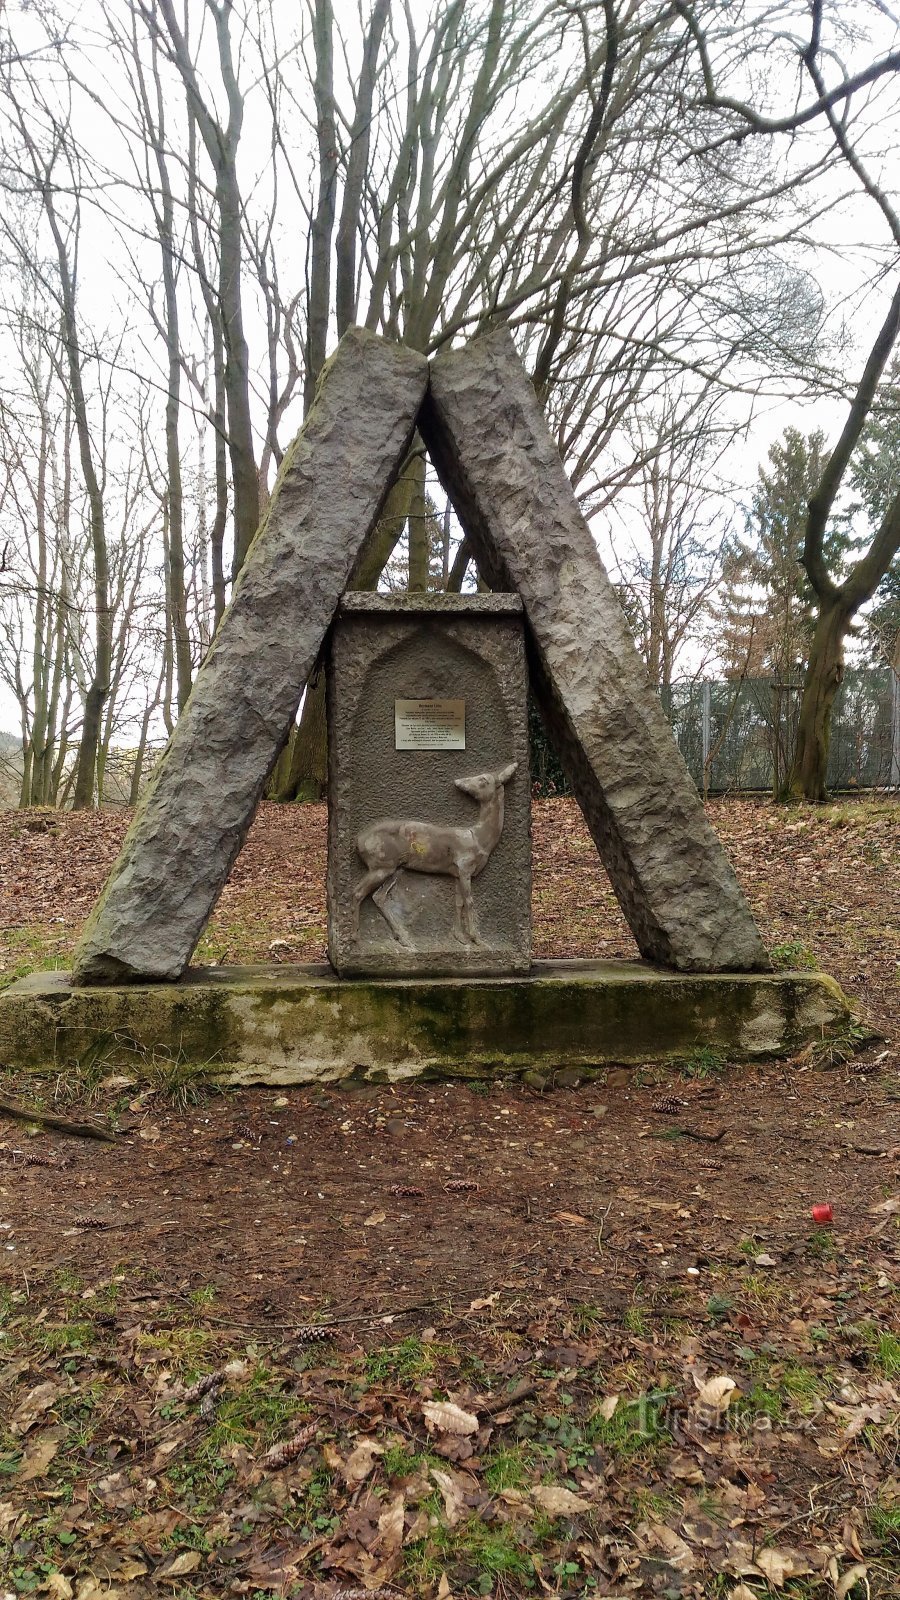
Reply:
x=822, y=1213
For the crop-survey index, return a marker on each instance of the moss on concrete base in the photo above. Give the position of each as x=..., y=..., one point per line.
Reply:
x=281, y=1024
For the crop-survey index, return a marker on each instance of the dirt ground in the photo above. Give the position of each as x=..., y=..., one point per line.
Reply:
x=450, y=1340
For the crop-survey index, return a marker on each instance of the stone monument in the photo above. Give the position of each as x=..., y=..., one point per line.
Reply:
x=428, y=877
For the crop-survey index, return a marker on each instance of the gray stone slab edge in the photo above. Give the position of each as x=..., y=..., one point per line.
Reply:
x=293, y=1024
x=202, y=798
x=486, y=433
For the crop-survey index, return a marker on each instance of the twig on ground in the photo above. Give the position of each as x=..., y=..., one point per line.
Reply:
x=46, y=1119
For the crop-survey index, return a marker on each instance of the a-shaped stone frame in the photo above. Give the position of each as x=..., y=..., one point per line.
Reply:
x=487, y=436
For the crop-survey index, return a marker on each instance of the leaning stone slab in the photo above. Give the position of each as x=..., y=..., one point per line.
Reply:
x=489, y=441
x=301, y=1024
x=201, y=801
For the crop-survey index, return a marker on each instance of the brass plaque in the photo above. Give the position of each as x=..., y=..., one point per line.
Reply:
x=429, y=724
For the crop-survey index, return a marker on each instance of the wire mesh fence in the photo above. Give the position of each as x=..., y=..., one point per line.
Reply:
x=741, y=735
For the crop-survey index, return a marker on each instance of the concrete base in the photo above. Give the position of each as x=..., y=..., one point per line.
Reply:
x=302, y=1024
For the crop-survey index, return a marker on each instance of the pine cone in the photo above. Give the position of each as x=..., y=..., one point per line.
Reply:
x=312, y=1333
x=406, y=1191
x=710, y=1164
x=281, y=1455
x=203, y=1386
x=89, y=1222
x=666, y=1105
x=461, y=1186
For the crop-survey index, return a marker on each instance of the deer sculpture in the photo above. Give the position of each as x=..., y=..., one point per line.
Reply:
x=459, y=853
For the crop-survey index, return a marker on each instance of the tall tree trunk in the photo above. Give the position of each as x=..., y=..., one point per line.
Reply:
x=417, y=522
x=824, y=674
x=86, y=768
x=319, y=302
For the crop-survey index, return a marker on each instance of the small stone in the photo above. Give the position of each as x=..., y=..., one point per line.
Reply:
x=568, y=1078
x=536, y=1080
x=395, y=1125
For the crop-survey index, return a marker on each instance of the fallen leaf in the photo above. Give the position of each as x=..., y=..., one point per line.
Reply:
x=443, y=1416
x=779, y=1565
x=851, y=1577
x=888, y=1206
x=765, y=1260
x=559, y=1502
x=716, y=1393
x=678, y=1552
x=39, y=1453
x=453, y=1490
x=58, y=1587
x=743, y=1592
x=607, y=1407
x=390, y=1526
x=373, y=1220
x=36, y=1402
x=178, y=1567
x=360, y=1462
x=568, y=1216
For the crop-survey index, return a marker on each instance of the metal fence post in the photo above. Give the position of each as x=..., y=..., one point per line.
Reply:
x=895, y=730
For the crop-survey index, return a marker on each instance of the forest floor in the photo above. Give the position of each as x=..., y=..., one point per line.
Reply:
x=463, y=1339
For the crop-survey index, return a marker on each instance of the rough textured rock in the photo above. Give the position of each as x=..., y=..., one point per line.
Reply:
x=201, y=801
x=488, y=439
x=428, y=647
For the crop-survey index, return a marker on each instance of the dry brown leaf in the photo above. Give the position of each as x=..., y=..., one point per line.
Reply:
x=678, y=1552
x=559, y=1502
x=607, y=1407
x=453, y=1489
x=571, y=1217
x=360, y=1462
x=39, y=1453
x=390, y=1526
x=717, y=1393
x=58, y=1587
x=777, y=1565
x=374, y=1219
x=179, y=1566
x=36, y=1402
x=743, y=1592
x=442, y=1416
x=854, y=1575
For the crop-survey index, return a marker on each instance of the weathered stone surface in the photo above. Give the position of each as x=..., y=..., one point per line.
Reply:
x=304, y=1025
x=488, y=439
x=201, y=801
x=467, y=648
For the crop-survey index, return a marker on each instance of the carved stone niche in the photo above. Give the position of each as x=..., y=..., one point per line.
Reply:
x=429, y=830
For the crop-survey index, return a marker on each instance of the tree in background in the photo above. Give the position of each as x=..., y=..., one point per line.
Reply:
x=767, y=612
x=875, y=477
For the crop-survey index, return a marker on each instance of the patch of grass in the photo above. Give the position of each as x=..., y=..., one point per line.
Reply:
x=793, y=956
x=636, y=1321
x=635, y=1427
x=494, y=1551
x=703, y=1063
x=841, y=1046
x=406, y=1361
x=887, y=1354
x=719, y=1305
x=884, y=1522
x=820, y=1245
x=400, y=1462
x=508, y=1468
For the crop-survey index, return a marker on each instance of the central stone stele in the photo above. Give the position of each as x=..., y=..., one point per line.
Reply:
x=429, y=845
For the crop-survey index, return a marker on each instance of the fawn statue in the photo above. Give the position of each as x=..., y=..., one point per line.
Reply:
x=459, y=853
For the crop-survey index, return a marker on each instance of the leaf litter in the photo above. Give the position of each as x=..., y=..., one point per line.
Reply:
x=672, y=1382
